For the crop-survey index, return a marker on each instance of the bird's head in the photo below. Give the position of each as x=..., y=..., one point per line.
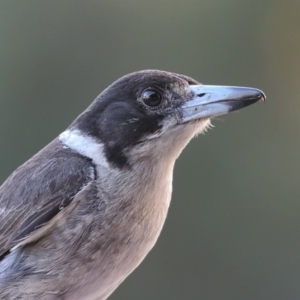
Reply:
x=154, y=114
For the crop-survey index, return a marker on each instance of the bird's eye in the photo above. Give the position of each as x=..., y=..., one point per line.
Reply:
x=151, y=97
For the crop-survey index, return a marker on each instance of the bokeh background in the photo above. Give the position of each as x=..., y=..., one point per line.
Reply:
x=233, y=226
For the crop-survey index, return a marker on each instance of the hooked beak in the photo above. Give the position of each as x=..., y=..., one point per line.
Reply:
x=211, y=100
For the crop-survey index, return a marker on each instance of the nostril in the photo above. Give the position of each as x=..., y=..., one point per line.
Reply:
x=201, y=95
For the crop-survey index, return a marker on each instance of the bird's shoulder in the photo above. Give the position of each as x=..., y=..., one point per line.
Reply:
x=39, y=191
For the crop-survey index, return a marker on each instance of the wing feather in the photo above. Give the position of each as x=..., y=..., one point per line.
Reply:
x=39, y=192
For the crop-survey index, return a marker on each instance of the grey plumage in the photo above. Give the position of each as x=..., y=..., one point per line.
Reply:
x=81, y=215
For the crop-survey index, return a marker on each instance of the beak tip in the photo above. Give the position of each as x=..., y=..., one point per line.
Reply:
x=263, y=97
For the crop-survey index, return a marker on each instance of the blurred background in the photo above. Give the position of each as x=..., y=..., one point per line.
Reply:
x=233, y=227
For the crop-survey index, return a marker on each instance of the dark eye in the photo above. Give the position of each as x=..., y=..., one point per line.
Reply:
x=151, y=97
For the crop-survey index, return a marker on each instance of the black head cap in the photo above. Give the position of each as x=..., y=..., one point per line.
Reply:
x=131, y=109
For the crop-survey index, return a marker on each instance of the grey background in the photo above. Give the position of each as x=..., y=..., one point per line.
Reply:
x=233, y=226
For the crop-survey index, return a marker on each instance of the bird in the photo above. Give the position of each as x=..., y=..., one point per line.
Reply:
x=79, y=216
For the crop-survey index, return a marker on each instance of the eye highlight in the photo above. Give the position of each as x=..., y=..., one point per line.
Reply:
x=151, y=97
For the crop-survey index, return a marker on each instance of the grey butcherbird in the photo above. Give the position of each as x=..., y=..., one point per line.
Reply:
x=79, y=216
